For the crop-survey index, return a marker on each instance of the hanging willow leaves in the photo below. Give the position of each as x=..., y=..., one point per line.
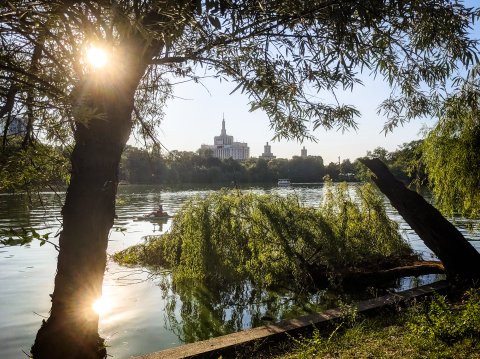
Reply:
x=272, y=240
x=451, y=152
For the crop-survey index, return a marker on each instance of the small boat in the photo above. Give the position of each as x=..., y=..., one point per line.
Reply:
x=284, y=182
x=151, y=218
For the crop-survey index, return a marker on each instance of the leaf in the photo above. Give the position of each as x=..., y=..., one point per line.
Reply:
x=236, y=88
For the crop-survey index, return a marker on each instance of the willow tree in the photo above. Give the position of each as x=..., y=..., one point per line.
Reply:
x=279, y=53
x=451, y=150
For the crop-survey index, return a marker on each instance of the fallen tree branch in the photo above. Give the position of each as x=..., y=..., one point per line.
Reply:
x=458, y=256
x=385, y=275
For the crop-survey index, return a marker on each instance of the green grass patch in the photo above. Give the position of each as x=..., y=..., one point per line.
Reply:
x=433, y=329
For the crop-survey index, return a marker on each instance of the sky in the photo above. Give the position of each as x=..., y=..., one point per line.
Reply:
x=195, y=115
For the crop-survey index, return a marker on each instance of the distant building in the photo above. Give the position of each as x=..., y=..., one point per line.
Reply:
x=303, y=152
x=267, y=153
x=224, y=147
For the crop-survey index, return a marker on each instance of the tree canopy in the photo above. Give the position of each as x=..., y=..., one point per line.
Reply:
x=280, y=53
x=140, y=166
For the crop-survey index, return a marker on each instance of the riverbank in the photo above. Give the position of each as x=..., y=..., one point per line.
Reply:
x=440, y=328
x=411, y=324
x=140, y=315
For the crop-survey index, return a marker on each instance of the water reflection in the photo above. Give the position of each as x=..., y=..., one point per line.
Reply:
x=198, y=311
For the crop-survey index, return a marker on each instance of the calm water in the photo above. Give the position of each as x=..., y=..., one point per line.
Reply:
x=139, y=315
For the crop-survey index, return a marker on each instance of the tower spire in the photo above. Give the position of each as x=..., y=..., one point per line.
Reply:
x=224, y=131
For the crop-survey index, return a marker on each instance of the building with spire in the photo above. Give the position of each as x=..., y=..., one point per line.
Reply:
x=267, y=153
x=223, y=139
x=224, y=147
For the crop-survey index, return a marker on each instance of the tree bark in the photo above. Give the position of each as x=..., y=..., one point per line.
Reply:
x=458, y=256
x=7, y=110
x=71, y=331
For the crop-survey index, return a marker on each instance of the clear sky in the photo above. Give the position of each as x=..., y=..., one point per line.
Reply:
x=195, y=116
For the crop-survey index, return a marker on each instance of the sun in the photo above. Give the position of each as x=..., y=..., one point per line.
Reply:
x=97, y=57
x=100, y=306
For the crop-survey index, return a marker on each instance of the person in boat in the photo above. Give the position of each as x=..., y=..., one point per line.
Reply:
x=159, y=212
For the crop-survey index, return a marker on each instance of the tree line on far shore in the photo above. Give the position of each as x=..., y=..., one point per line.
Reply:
x=139, y=166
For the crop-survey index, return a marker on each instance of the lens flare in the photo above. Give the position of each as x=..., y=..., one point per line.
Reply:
x=100, y=306
x=97, y=57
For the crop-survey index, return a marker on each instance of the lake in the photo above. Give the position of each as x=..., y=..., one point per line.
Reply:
x=137, y=313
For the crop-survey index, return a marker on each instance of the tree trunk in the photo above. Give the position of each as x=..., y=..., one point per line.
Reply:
x=7, y=110
x=107, y=99
x=71, y=331
x=458, y=256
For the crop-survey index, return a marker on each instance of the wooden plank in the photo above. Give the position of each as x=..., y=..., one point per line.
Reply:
x=213, y=348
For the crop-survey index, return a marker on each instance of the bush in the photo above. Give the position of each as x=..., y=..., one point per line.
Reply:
x=442, y=323
x=436, y=329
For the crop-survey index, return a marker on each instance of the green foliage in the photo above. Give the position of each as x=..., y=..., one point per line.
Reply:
x=452, y=157
x=233, y=253
x=140, y=166
x=32, y=168
x=353, y=336
x=435, y=329
x=442, y=322
x=360, y=224
x=279, y=53
x=23, y=236
x=271, y=240
x=406, y=163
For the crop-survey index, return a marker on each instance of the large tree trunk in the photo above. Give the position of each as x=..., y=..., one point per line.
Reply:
x=107, y=97
x=71, y=331
x=458, y=256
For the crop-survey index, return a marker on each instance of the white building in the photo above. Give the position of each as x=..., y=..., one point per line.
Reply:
x=224, y=147
x=267, y=153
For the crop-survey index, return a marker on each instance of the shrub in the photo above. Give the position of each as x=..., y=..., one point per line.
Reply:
x=441, y=322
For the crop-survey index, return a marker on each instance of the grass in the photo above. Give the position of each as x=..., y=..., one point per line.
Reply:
x=434, y=329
